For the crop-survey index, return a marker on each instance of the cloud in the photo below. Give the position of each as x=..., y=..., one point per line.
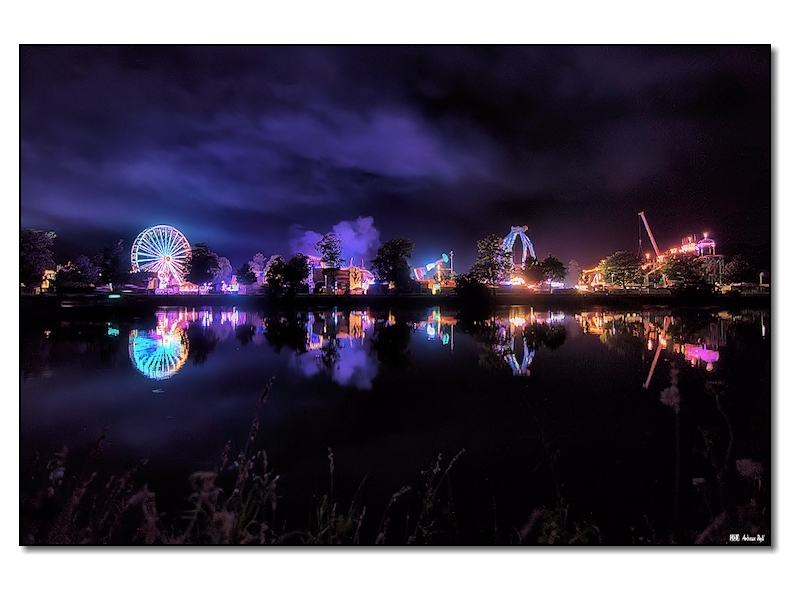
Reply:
x=359, y=239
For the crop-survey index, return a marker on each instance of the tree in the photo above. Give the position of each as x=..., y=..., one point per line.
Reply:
x=202, y=265
x=245, y=275
x=297, y=269
x=622, y=268
x=35, y=256
x=687, y=273
x=285, y=276
x=738, y=270
x=331, y=257
x=472, y=293
x=533, y=271
x=258, y=262
x=494, y=263
x=391, y=265
x=574, y=272
x=109, y=263
x=81, y=274
x=225, y=273
x=553, y=268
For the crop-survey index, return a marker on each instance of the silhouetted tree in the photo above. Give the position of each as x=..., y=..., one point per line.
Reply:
x=331, y=257
x=739, y=270
x=287, y=276
x=245, y=275
x=687, y=273
x=109, y=261
x=533, y=271
x=622, y=268
x=391, y=263
x=81, y=274
x=553, y=268
x=474, y=296
x=494, y=263
x=202, y=264
x=35, y=256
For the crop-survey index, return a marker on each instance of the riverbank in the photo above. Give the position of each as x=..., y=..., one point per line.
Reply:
x=138, y=305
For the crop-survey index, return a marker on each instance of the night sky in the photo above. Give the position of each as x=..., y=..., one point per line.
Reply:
x=265, y=148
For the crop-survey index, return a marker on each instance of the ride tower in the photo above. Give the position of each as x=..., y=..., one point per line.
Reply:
x=520, y=232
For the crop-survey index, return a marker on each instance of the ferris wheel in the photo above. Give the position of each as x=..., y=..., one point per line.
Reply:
x=161, y=249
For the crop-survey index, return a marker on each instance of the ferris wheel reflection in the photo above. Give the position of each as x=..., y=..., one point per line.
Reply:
x=160, y=353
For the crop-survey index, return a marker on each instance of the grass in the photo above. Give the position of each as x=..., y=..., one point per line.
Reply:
x=75, y=503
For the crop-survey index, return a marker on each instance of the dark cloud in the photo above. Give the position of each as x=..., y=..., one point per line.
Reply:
x=237, y=146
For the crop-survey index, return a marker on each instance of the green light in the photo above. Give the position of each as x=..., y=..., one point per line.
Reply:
x=114, y=296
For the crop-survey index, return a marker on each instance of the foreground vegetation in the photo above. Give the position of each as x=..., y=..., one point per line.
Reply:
x=239, y=502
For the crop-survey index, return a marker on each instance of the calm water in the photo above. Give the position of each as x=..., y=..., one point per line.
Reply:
x=549, y=410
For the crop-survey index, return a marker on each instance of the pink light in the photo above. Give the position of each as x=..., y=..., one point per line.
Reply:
x=695, y=353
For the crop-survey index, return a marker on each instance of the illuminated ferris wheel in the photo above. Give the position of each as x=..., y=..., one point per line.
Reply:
x=161, y=249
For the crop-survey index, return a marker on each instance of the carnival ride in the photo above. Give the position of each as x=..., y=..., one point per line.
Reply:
x=704, y=250
x=163, y=250
x=519, y=232
x=422, y=271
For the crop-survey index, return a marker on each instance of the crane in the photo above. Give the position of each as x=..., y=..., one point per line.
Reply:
x=655, y=247
x=650, y=233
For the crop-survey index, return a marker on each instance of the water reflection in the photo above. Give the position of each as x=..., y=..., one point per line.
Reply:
x=438, y=327
x=349, y=345
x=336, y=345
x=180, y=333
x=697, y=337
x=693, y=447
x=512, y=340
x=160, y=353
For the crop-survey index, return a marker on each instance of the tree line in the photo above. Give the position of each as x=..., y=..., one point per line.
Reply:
x=391, y=266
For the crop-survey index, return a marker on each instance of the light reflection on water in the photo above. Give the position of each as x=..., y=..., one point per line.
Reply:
x=337, y=342
x=394, y=388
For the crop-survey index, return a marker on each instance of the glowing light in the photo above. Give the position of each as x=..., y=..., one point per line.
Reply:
x=518, y=321
x=694, y=354
x=159, y=354
x=161, y=249
x=114, y=296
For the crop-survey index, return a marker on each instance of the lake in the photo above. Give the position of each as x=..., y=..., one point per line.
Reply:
x=594, y=426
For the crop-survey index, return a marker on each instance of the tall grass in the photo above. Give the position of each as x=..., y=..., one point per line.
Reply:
x=74, y=502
